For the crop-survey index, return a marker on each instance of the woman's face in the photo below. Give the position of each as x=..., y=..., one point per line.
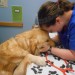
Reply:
x=57, y=27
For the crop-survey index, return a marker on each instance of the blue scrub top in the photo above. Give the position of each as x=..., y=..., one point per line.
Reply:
x=67, y=37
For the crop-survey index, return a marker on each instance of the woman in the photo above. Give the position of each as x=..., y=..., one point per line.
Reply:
x=59, y=17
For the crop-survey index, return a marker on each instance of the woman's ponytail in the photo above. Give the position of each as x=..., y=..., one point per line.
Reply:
x=65, y=5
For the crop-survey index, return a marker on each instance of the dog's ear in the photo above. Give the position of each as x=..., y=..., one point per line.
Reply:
x=33, y=45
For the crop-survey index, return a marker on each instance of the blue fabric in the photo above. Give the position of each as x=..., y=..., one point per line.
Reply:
x=67, y=37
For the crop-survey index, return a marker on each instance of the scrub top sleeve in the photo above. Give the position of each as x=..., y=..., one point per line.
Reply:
x=72, y=38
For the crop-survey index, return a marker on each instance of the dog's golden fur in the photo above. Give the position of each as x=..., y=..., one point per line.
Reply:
x=21, y=50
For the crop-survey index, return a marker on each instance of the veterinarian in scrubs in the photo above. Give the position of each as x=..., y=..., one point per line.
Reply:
x=59, y=17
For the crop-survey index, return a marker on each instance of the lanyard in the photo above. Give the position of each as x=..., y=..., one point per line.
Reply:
x=60, y=69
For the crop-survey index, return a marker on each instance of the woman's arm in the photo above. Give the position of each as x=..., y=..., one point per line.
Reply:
x=63, y=53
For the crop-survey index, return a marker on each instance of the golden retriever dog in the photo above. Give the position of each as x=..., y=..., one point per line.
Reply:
x=21, y=50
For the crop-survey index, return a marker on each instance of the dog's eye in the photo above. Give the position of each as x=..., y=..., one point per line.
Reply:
x=47, y=40
x=41, y=47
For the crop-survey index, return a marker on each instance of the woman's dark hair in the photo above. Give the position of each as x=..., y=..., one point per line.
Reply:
x=50, y=10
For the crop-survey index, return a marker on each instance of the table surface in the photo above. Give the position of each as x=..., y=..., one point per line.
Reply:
x=49, y=69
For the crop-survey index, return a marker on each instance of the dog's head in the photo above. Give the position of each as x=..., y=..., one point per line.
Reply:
x=39, y=37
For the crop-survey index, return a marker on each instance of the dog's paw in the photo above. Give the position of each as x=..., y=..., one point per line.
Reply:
x=41, y=61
